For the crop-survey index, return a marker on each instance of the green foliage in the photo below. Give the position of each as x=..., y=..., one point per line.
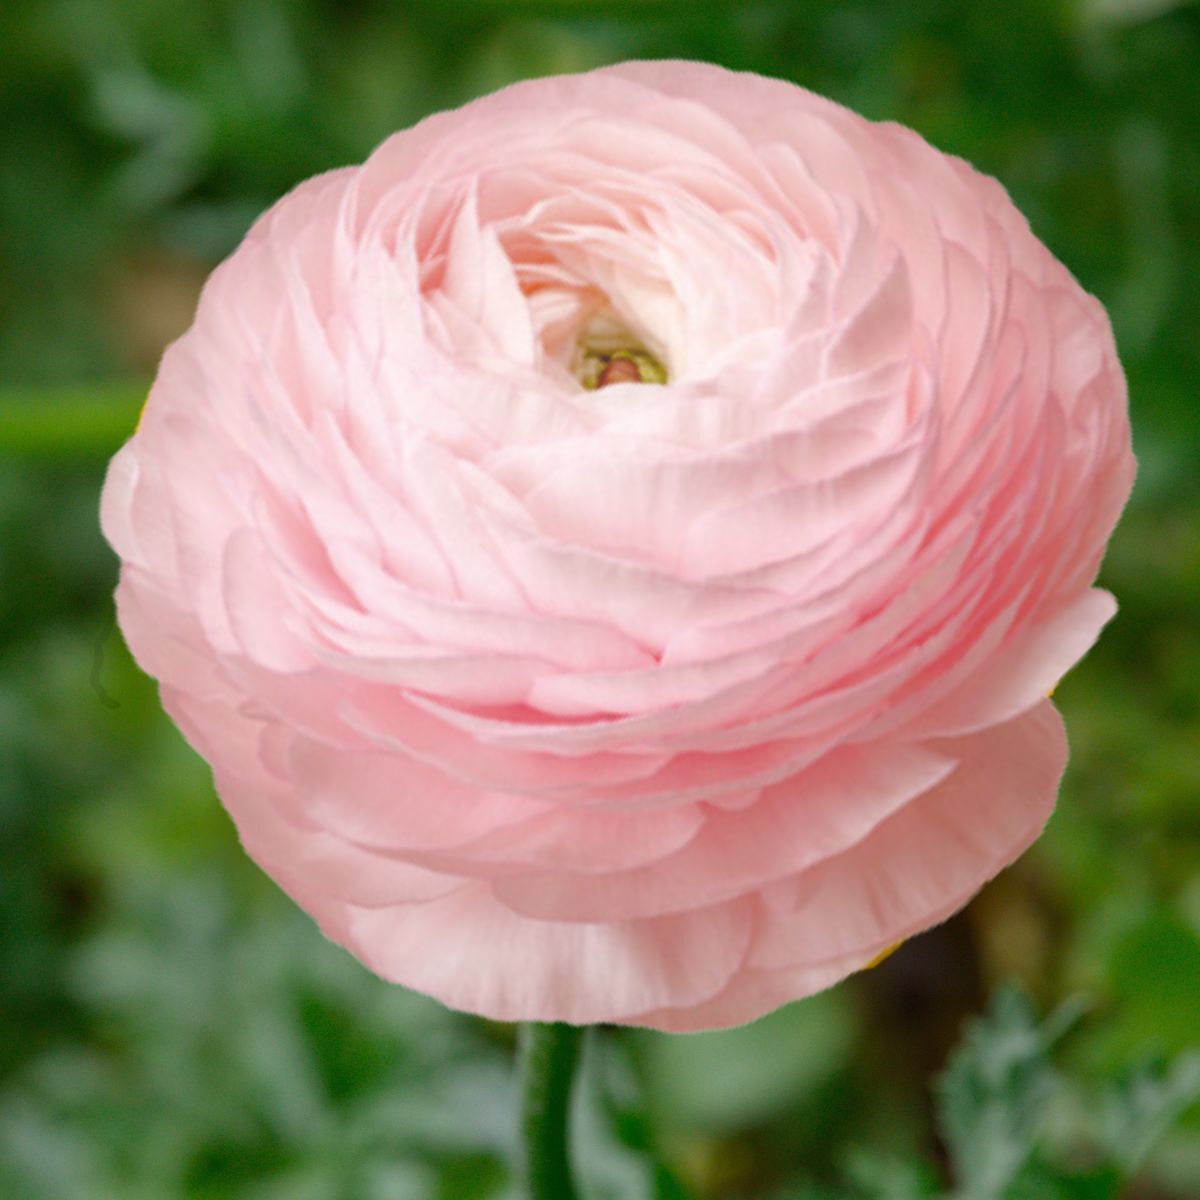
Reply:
x=615, y=1147
x=717, y=1081
x=1138, y=1110
x=234, y=1055
x=999, y=1089
x=993, y=1095
x=995, y=1099
x=66, y=423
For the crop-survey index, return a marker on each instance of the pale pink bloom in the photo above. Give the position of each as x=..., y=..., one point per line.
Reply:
x=652, y=703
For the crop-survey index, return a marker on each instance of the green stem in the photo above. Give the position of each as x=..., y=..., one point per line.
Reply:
x=548, y=1056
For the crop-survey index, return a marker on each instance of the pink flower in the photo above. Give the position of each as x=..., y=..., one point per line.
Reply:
x=613, y=547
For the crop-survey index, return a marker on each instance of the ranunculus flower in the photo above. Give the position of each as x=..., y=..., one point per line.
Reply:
x=615, y=545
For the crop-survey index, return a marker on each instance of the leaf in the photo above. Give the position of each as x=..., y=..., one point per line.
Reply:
x=1040, y=1182
x=615, y=1144
x=1153, y=971
x=994, y=1093
x=727, y=1080
x=1136, y=1113
x=885, y=1177
x=69, y=423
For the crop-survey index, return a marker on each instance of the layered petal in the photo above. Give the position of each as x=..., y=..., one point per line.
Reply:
x=614, y=544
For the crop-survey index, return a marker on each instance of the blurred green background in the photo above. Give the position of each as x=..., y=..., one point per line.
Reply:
x=172, y=1027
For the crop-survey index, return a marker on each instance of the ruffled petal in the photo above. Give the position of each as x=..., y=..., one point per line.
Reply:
x=474, y=953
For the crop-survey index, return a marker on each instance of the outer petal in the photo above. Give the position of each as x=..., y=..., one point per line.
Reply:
x=474, y=953
x=925, y=862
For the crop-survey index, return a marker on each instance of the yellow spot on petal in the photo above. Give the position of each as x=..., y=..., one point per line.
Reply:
x=882, y=955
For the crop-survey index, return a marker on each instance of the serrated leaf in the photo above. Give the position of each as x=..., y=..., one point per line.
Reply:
x=1137, y=1112
x=993, y=1094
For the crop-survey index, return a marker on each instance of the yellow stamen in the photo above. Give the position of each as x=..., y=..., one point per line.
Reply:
x=607, y=353
x=599, y=368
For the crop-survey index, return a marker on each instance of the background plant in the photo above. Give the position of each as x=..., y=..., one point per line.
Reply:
x=175, y=1029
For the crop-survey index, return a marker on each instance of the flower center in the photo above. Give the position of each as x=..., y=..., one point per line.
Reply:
x=607, y=353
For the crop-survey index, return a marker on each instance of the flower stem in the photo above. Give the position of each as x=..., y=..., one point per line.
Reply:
x=548, y=1056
